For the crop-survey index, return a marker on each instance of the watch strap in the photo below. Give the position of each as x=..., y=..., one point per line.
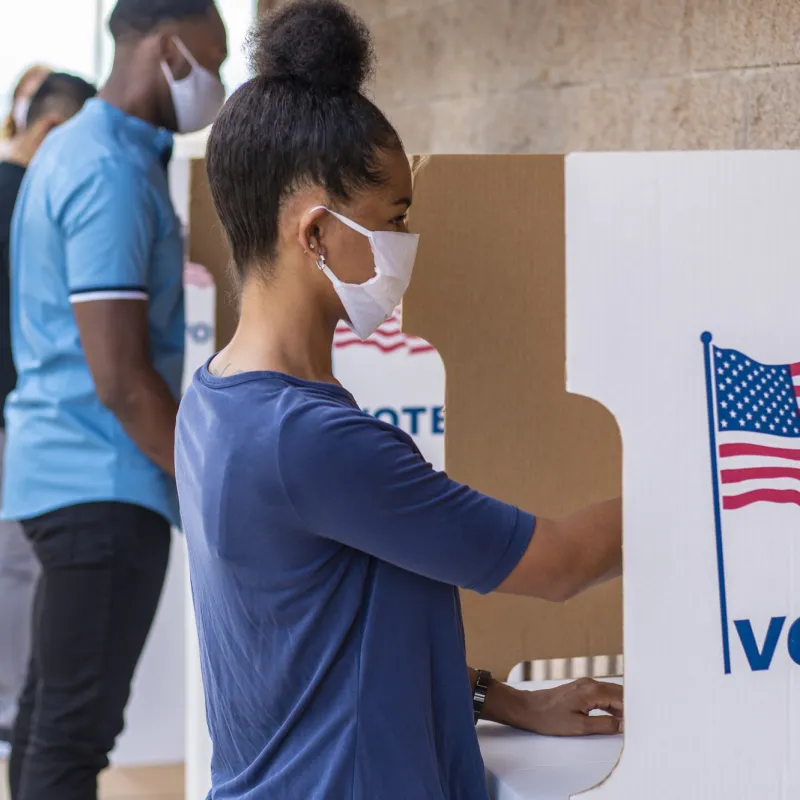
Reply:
x=479, y=693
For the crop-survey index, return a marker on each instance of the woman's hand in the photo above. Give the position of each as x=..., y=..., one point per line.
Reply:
x=561, y=711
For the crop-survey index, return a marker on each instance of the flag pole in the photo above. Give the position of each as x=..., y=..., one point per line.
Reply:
x=712, y=433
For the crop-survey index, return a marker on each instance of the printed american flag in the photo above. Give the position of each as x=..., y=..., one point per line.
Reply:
x=389, y=338
x=758, y=430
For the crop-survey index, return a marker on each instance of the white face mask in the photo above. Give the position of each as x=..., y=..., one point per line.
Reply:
x=20, y=113
x=198, y=97
x=368, y=305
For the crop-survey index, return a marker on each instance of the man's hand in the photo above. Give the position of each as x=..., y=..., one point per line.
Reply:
x=22, y=148
x=561, y=711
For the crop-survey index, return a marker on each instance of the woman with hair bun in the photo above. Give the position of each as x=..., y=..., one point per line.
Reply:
x=325, y=553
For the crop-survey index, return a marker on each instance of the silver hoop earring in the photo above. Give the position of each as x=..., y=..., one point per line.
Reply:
x=321, y=262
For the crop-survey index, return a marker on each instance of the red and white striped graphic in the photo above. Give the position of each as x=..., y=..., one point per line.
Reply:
x=754, y=473
x=389, y=338
x=759, y=431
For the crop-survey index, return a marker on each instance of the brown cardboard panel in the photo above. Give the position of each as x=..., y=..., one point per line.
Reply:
x=207, y=246
x=489, y=293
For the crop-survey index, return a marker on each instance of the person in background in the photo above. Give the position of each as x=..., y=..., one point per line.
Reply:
x=58, y=98
x=14, y=123
x=325, y=553
x=98, y=340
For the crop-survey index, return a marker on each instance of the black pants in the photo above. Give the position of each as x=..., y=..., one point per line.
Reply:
x=103, y=568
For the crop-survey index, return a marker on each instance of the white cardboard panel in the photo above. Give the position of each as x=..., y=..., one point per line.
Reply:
x=660, y=249
x=200, y=345
x=397, y=378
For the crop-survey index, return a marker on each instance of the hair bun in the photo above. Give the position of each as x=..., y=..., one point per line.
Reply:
x=319, y=42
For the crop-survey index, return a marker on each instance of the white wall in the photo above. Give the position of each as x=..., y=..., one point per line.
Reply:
x=72, y=36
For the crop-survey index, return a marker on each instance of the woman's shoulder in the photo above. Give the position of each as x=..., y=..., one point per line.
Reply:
x=253, y=403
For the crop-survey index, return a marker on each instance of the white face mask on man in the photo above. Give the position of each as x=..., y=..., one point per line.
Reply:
x=368, y=305
x=198, y=97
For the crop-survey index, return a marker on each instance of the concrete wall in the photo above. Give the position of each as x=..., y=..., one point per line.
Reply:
x=526, y=76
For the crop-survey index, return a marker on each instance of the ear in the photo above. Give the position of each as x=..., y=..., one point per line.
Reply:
x=163, y=41
x=170, y=54
x=311, y=232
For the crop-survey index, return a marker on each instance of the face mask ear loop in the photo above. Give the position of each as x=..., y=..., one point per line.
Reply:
x=345, y=221
x=185, y=52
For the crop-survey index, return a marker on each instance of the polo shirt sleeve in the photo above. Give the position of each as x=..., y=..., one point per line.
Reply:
x=360, y=482
x=109, y=227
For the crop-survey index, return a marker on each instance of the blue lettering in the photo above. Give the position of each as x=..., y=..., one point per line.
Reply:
x=390, y=413
x=200, y=332
x=760, y=660
x=411, y=417
x=414, y=415
x=438, y=420
x=794, y=642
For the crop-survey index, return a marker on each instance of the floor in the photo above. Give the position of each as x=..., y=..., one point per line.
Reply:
x=152, y=783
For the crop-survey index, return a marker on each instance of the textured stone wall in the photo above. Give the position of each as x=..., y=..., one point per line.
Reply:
x=529, y=76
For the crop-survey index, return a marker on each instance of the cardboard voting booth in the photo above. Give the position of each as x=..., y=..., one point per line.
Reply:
x=682, y=279
x=660, y=290
x=489, y=294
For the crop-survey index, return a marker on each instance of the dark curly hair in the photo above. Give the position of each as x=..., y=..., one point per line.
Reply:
x=302, y=121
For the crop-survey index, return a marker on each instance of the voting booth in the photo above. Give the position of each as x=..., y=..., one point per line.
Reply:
x=682, y=276
x=580, y=307
x=488, y=294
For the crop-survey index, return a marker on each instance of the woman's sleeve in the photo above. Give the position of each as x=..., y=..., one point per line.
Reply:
x=360, y=482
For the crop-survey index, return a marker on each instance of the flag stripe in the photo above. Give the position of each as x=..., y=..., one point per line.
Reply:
x=389, y=338
x=785, y=496
x=731, y=489
x=371, y=343
x=758, y=430
x=759, y=438
x=729, y=450
x=387, y=333
x=751, y=462
x=759, y=473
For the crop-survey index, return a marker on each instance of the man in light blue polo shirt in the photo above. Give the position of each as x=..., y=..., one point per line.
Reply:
x=98, y=339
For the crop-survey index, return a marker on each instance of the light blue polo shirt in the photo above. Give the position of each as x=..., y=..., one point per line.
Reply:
x=94, y=221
